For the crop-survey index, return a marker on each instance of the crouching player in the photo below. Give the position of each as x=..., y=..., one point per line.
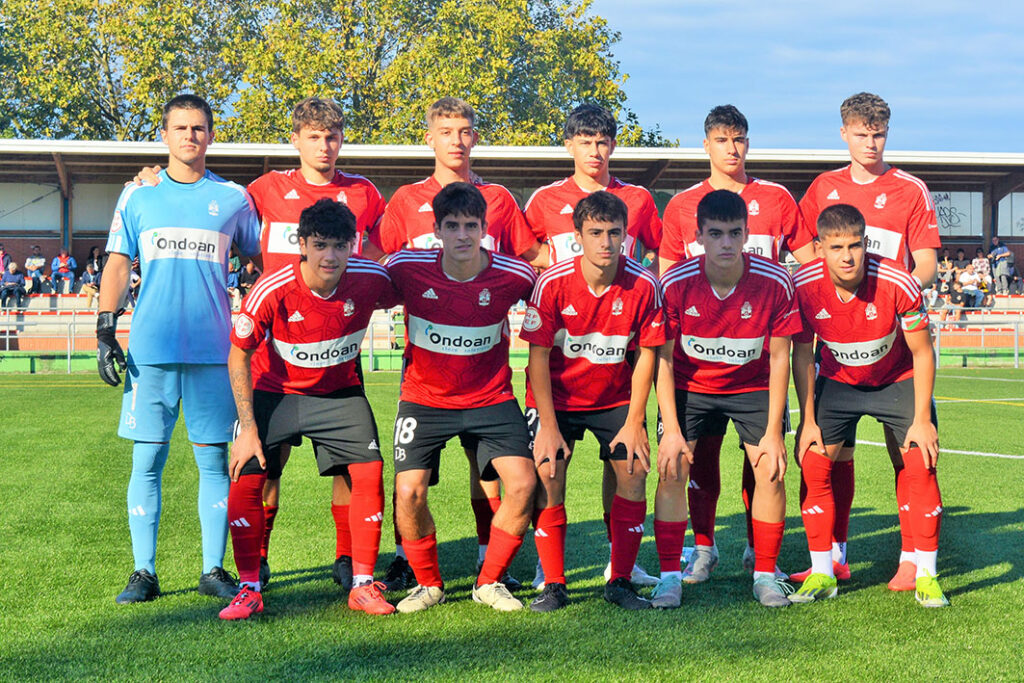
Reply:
x=877, y=360
x=730, y=316
x=586, y=317
x=458, y=382
x=293, y=374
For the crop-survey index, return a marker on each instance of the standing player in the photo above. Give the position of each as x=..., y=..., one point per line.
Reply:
x=902, y=226
x=293, y=374
x=877, y=359
x=457, y=381
x=775, y=226
x=589, y=135
x=181, y=230
x=408, y=222
x=730, y=315
x=586, y=314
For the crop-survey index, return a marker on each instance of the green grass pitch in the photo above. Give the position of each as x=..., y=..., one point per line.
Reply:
x=65, y=553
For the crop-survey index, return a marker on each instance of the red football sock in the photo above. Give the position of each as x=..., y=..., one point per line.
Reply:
x=366, y=515
x=817, y=507
x=668, y=539
x=842, y=494
x=422, y=556
x=704, y=488
x=903, y=509
x=767, y=543
x=627, y=523
x=549, y=536
x=483, y=515
x=608, y=526
x=246, y=522
x=394, y=523
x=748, y=498
x=342, y=530
x=925, y=500
x=500, y=551
x=269, y=514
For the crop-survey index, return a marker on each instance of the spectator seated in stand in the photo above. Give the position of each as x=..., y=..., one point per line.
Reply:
x=63, y=268
x=5, y=259
x=960, y=263
x=953, y=309
x=90, y=283
x=971, y=284
x=247, y=278
x=982, y=267
x=97, y=258
x=947, y=271
x=12, y=286
x=34, y=266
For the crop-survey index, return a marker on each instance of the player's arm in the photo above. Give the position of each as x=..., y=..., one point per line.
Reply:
x=772, y=444
x=549, y=439
x=246, y=444
x=926, y=266
x=807, y=432
x=372, y=251
x=672, y=448
x=113, y=284
x=148, y=175
x=804, y=253
x=922, y=431
x=633, y=435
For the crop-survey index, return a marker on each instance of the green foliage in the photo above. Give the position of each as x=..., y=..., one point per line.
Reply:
x=104, y=74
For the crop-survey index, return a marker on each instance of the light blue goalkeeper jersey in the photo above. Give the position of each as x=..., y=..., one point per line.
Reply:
x=182, y=235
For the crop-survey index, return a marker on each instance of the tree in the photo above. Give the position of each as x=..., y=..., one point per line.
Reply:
x=522, y=63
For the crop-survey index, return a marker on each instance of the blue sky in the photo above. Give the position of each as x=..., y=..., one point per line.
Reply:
x=952, y=72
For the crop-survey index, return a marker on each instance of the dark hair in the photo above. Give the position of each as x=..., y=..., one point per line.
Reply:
x=590, y=119
x=840, y=219
x=459, y=199
x=600, y=206
x=318, y=114
x=866, y=108
x=725, y=116
x=327, y=218
x=721, y=205
x=187, y=101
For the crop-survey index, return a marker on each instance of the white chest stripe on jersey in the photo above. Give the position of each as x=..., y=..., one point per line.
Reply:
x=321, y=354
x=722, y=349
x=283, y=238
x=190, y=244
x=453, y=340
x=600, y=349
x=861, y=353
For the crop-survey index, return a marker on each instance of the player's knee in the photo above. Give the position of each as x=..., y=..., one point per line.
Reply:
x=520, y=489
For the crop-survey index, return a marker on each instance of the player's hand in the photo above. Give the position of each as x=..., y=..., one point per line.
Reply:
x=772, y=451
x=109, y=356
x=808, y=435
x=246, y=446
x=638, y=445
x=147, y=175
x=926, y=437
x=671, y=451
x=546, y=445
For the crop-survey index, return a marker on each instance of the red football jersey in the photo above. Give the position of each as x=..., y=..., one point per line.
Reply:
x=863, y=337
x=280, y=197
x=589, y=335
x=773, y=219
x=458, y=332
x=549, y=213
x=722, y=345
x=897, y=207
x=306, y=344
x=408, y=221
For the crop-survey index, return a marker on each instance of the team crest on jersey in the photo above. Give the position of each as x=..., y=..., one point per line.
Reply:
x=753, y=208
x=870, y=312
x=350, y=308
x=213, y=208
x=117, y=223
x=617, y=307
x=880, y=201
x=243, y=326
x=746, y=310
x=342, y=197
x=485, y=297
x=532, y=321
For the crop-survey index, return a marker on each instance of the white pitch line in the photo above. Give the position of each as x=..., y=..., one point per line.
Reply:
x=987, y=379
x=976, y=400
x=947, y=450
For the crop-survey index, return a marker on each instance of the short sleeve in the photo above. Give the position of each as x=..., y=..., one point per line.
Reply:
x=124, y=229
x=247, y=233
x=253, y=322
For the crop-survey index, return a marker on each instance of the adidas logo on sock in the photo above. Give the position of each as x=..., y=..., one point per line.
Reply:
x=569, y=310
x=292, y=194
x=693, y=485
x=540, y=532
x=221, y=504
x=833, y=195
x=816, y=510
x=376, y=517
x=692, y=310
x=295, y=317
x=639, y=529
x=822, y=315
x=936, y=512
x=137, y=511
x=429, y=294
x=566, y=210
x=240, y=522
x=425, y=208
x=905, y=508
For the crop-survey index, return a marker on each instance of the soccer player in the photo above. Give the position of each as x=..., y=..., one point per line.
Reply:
x=775, y=226
x=293, y=373
x=457, y=381
x=730, y=316
x=589, y=136
x=181, y=230
x=586, y=317
x=877, y=359
x=409, y=222
x=901, y=225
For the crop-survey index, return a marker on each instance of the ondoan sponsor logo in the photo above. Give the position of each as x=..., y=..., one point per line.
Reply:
x=321, y=354
x=722, y=349
x=184, y=243
x=454, y=340
x=283, y=238
x=862, y=353
x=600, y=349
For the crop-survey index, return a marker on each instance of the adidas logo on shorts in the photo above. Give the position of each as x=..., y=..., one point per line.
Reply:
x=295, y=317
x=373, y=445
x=692, y=310
x=566, y=210
x=292, y=194
x=425, y=208
x=833, y=195
x=429, y=294
x=822, y=315
x=569, y=310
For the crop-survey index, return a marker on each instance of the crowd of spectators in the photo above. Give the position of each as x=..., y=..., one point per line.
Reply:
x=972, y=283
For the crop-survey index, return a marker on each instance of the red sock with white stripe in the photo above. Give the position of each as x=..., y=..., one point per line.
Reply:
x=627, y=525
x=549, y=537
x=817, y=508
x=925, y=510
x=668, y=539
x=245, y=520
x=704, y=488
x=366, y=516
x=342, y=530
x=907, y=553
x=500, y=552
x=269, y=515
x=767, y=544
x=422, y=556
